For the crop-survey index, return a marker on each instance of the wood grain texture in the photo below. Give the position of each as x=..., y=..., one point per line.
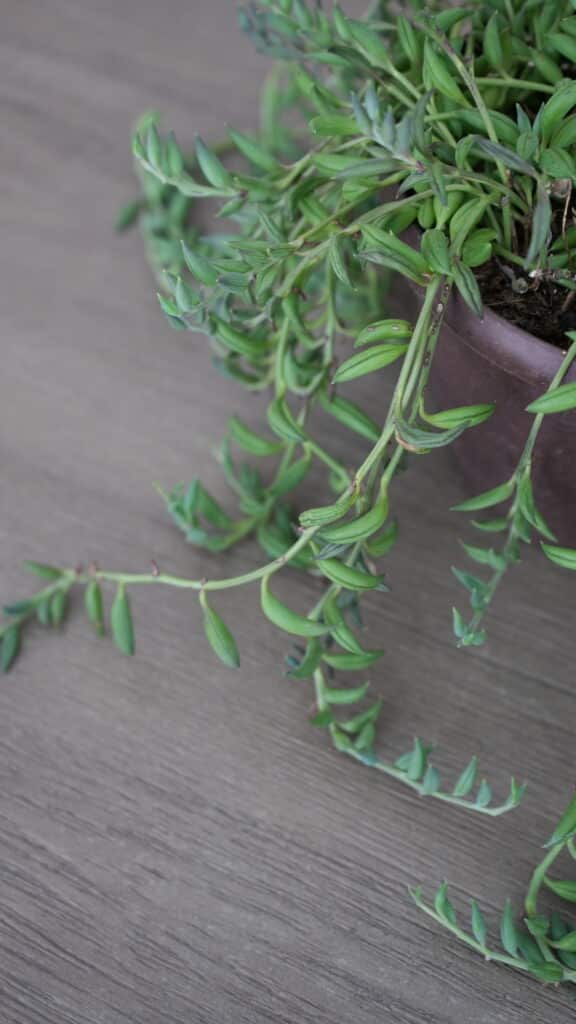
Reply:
x=177, y=845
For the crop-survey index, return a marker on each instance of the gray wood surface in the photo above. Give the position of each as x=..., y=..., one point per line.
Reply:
x=177, y=844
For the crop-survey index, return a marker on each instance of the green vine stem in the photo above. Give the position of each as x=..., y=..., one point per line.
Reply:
x=542, y=945
x=538, y=877
x=522, y=518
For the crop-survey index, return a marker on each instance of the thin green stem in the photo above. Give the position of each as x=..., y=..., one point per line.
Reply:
x=297, y=169
x=492, y=811
x=184, y=583
x=537, y=879
x=517, y=83
x=444, y=129
x=392, y=465
x=508, y=255
x=402, y=80
x=413, y=360
x=421, y=369
x=332, y=463
x=279, y=381
x=515, y=515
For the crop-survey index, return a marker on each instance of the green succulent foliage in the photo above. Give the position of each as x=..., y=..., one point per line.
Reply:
x=48, y=607
x=219, y=636
x=542, y=945
x=457, y=123
x=121, y=622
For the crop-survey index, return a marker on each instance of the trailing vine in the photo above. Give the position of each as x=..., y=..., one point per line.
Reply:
x=459, y=122
x=541, y=944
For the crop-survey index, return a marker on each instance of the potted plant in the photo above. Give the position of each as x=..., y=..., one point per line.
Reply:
x=437, y=146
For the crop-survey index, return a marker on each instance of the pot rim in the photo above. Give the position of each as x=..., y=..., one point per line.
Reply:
x=501, y=343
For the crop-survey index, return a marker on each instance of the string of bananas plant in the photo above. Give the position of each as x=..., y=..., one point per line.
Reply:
x=460, y=122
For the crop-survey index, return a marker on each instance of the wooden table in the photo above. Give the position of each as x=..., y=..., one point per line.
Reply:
x=178, y=845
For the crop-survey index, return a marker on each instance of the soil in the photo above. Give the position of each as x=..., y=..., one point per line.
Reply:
x=543, y=308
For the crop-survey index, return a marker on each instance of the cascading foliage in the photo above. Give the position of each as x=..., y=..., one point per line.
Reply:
x=541, y=944
x=458, y=121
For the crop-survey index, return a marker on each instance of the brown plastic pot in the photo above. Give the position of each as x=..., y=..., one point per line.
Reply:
x=491, y=360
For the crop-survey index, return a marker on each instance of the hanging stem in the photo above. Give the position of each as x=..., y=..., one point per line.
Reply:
x=515, y=514
x=412, y=360
x=537, y=880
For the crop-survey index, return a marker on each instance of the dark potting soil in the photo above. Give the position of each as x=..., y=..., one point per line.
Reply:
x=543, y=308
